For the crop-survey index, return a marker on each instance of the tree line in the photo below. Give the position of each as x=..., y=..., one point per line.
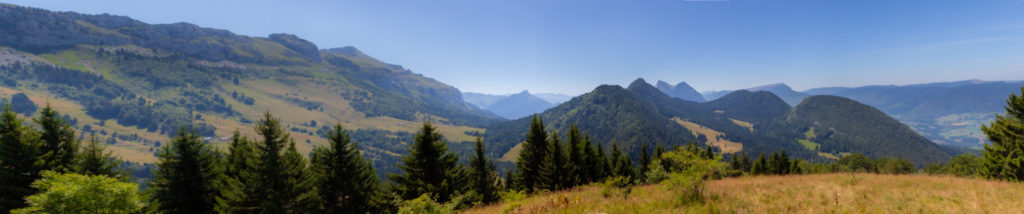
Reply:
x=266, y=174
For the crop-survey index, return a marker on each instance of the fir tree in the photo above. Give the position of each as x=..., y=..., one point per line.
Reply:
x=273, y=182
x=345, y=182
x=645, y=159
x=782, y=164
x=1004, y=157
x=299, y=195
x=429, y=168
x=240, y=182
x=602, y=163
x=484, y=178
x=760, y=166
x=534, y=150
x=95, y=160
x=590, y=169
x=621, y=164
x=188, y=175
x=59, y=144
x=553, y=169
x=577, y=160
x=19, y=163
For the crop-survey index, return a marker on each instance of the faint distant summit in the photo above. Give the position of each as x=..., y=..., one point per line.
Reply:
x=680, y=90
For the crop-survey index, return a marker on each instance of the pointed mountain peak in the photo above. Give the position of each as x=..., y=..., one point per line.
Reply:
x=683, y=83
x=663, y=84
x=639, y=82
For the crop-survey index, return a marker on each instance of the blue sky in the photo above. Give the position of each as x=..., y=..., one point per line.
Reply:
x=571, y=47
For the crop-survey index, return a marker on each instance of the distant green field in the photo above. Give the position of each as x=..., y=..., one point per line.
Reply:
x=809, y=144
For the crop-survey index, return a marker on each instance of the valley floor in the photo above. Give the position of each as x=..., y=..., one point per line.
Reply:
x=827, y=193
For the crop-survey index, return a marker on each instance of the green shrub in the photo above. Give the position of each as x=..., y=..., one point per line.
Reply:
x=75, y=193
x=617, y=186
x=425, y=205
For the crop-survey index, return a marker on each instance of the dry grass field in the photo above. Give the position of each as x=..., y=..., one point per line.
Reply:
x=826, y=193
x=713, y=136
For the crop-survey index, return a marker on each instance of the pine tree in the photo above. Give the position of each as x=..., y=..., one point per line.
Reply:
x=484, y=178
x=709, y=152
x=274, y=183
x=510, y=183
x=345, y=182
x=577, y=152
x=645, y=159
x=621, y=164
x=59, y=144
x=188, y=175
x=19, y=163
x=760, y=166
x=553, y=170
x=1004, y=157
x=95, y=160
x=240, y=182
x=602, y=163
x=590, y=169
x=773, y=163
x=534, y=150
x=429, y=168
x=299, y=194
x=782, y=165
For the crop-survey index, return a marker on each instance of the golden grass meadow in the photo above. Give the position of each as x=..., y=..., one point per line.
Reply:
x=822, y=193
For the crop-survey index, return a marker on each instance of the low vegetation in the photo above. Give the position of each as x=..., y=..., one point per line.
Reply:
x=817, y=193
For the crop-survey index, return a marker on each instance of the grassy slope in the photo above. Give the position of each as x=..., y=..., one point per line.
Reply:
x=271, y=95
x=713, y=136
x=828, y=193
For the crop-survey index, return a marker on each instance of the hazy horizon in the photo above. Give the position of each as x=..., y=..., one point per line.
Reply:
x=572, y=47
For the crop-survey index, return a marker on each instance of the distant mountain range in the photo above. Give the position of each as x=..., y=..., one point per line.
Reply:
x=680, y=90
x=948, y=113
x=133, y=84
x=753, y=122
x=782, y=90
x=514, y=106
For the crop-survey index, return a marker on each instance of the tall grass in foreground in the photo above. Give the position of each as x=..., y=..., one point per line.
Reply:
x=823, y=193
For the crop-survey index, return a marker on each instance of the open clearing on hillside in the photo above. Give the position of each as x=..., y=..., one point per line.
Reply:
x=827, y=193
x=715, y=138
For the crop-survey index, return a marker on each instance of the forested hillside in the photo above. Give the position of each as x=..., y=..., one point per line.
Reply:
x=759, y=121
x=132, y=84
x=947, y=113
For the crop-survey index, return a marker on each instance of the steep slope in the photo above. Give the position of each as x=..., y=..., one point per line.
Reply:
x=948, y=113
x=841, y=124
x=519, y=105
x=133, y=84
x=680, y=90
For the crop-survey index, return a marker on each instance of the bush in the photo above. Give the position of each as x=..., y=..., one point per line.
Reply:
x=656, y=172
x=617, y=186
x=425, y=205
x=688, y=187
x=74, y=193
